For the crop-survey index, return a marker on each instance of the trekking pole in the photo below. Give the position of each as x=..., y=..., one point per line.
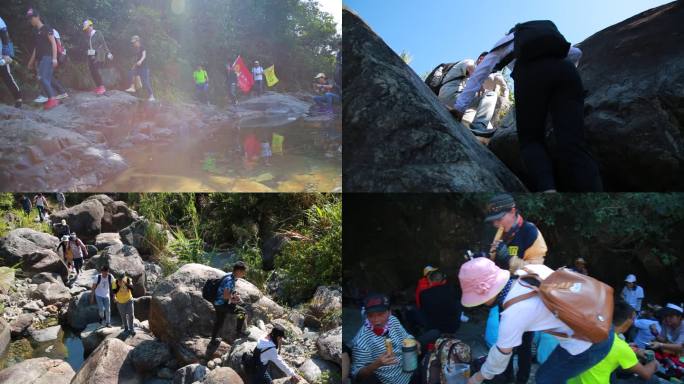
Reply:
x=497, y=237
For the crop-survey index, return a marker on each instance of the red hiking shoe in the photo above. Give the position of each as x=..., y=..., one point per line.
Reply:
x=100, y=90
x=51, y=103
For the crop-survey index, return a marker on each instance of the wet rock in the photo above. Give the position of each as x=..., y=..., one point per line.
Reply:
x=109, y=364
x=222, y=375
x=104, y=240
x=44, y=260
x=403, y=139
x=46, y=334
x=149, y=355
x=189, y=374
x=330, y=345
x=5, y=335
x=23, y=242
x=41, y=370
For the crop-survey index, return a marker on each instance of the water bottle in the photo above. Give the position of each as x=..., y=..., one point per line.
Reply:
x=409, y=351
x=2, y=61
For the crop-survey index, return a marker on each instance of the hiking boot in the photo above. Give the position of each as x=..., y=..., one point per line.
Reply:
x=51, y=103
x=62, y=96
x=131, y=90
x=41, y=99
x=100, y=90
x=151, y=99
x=17, y=104
x=109, y=325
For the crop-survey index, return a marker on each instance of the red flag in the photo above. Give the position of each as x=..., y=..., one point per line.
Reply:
x=244, y=75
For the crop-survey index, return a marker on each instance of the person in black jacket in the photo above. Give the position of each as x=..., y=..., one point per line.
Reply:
x=441, y=304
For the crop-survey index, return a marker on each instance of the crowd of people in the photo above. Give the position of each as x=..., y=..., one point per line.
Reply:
x=624, y=342
x=48, y=56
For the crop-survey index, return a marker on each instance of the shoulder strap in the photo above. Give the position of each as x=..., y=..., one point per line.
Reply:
x=99, y=277
x=518, y=299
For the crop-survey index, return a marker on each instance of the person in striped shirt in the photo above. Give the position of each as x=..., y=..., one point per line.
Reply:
x=376, y=352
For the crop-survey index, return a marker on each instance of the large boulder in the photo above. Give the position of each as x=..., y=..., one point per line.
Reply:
x=124, y=258
x=80, y=312
x=41, y=370
x=5, y=335
x=117, y=215
x=236, y=353
x=141, y=307
x=51, y=293
x=106, y=239
x=23, y=242
x=189, y=374
x=44, y=335
x=403, y=138
x=134, y=235
x=109, y=364
x=222, y=375
x=20, y=325
x=94, y=334
x=149, y=355
x=633, y=106
x=313, y=370
x=198, y=350
x=330, y=345
x=85, y=219
x=326, y=301
x=45, y=260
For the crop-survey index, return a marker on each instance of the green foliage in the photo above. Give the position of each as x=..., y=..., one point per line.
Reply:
x=188, y=249
x=6, y=201
x=250, y=254
x=406, y=57
x=156, y=239
x=315, y=259
x=11, y=219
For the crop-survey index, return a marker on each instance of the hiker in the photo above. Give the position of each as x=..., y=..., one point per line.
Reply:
x=56, y=84
x=632, y=293
x=266, y=152
x=546, y=81
x=580, y=266
x=67, y=253
x=41, y=205
x=98, y=54
x=231, y=81
x=26, y=205
x=483, y=282
x=227, y=300
x=376, y=351
x=620, y=355
x=423, y=282
x=63, y=229
x=492, y=98
x=44, y=56
x=326, y=93
x=453, y=80
x=258, y=74
x=61, y=200
x=102, y=286
x=140, y=68
x=123, y=287
x=201, y=84
x=647, y=328
x=5, y=61
x=441, y=306
x=79, y=251
x=671, y=339
x=268, y=347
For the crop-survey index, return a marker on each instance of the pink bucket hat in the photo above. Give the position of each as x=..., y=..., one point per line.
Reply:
x=481, y=280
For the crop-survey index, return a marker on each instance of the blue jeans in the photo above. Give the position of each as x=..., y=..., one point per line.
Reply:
x=259, y=87
x=328, y=99
x=45, y=73
x=144, y=73
x=202, y=92
x=561, y=365
x=104, y=308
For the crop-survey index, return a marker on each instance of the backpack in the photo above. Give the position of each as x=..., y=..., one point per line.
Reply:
x=435, y=79
x=252, y=362
x=447, y=351
x=61, y=53
x=534, y=40
x=211, y=287
x=581, y=302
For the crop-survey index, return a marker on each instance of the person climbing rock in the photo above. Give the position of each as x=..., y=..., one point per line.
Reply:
x=258, y=74
x=453, y=82
x=201, y=84
x=101, y=289
x=56, y=84
x=44, y=56
x=376, y=346
x=67, y=253
x=227, y=300
x=79, y=251
x=5, y=61
x=61, y=200
x=26, y=205
x=123, y=295
x=327, y=94
x=483, y=282
x=98, y=54
x=140, y=68
x=41, y=205
x=544, y=69
x=268, y=347
x=62, y=229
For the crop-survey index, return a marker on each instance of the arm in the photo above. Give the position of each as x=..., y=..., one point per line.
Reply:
x=30, y=65
x=496, y=363
x=272, y=355
x=144, y=56
x=83, y=248
x=645, y=371
x=668, y=347
x=4, y=36
x=53, y=44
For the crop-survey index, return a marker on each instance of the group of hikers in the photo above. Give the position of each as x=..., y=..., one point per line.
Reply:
x=41, y=204
x=543, y=66
x=581, y=332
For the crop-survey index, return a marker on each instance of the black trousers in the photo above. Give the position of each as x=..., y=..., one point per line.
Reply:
x=553, y=86
x=9, y=81
x=95, y=72
x=222, y=311
x=262, y=376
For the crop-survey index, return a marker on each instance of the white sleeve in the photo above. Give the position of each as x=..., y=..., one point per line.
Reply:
x=495, y=364
x=482, y=71
x=2, y=24
x=272, y=355
x=574, y=55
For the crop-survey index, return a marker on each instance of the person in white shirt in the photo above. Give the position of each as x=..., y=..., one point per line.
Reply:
x=102, y=285
x=455, y=80
x=671, y=339
x=632, y=293
x=482, y=282
x=647, y=329
x=269, y=347
x=546, y=81
x=258, y=74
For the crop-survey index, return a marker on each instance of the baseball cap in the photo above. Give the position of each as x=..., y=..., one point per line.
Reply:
x=498, y=206
x=376, y=302
x=630, y=278
x=428, y=269
x=672, y=309
x=32, y=13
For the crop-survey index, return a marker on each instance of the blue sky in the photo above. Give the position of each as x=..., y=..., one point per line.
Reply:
x=437, y=31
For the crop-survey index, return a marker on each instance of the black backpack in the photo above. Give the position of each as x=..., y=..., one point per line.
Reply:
x=211, y=287
x=252, y=362
x=534, y=40
x=435, y=79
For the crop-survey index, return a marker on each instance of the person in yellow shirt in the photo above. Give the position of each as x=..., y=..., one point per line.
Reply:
x=620, y=354
x=123, y=296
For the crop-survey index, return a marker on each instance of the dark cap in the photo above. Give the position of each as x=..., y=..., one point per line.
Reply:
x=32, y=13
x=376, y=302
x=278, y=331
x=498, y=206
x=240, y=265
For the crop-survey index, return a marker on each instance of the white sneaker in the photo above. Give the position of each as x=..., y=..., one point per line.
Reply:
x=62, y=96
x=41, y=99
x=151, y=99
x=131, y=90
